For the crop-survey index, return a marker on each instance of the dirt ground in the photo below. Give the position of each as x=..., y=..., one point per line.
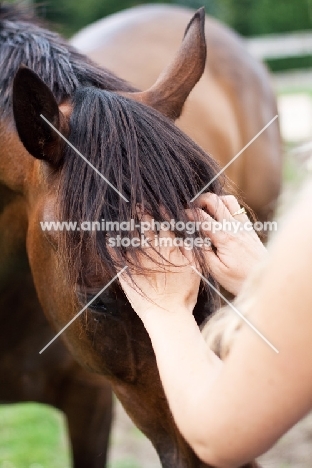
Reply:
x=130, y=449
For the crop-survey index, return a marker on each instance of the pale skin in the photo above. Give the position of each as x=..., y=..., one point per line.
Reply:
x=230, y=412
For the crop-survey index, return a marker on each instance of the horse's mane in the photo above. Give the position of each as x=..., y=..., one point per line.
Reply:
x=145, y=156
x=25, y=40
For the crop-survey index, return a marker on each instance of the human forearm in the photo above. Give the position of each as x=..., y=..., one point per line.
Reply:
x=187, y=368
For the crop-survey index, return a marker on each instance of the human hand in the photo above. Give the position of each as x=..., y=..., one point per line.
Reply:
x=235, y=253
x=167, y=281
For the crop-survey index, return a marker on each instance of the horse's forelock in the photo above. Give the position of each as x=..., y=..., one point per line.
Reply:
x=144, y=155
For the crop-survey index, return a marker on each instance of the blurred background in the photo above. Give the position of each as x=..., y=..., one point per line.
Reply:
x=280, y=34
x=248, y=17
x=277, y=33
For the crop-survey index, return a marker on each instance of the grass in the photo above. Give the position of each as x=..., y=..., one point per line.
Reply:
x=32, y=436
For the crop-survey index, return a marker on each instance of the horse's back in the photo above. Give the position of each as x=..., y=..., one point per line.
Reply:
x=231, y=103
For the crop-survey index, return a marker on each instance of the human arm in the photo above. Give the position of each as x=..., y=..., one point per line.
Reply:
x=232, y=412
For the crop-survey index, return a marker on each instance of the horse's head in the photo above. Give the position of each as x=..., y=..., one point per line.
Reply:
x=138, y=150
x=131, y=140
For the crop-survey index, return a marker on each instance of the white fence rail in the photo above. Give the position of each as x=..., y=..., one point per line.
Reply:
x=276, y=46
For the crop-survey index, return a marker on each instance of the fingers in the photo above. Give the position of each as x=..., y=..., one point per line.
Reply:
x=233, y=206
x=214, y=206
x=221, y=207
x=160, y=248
x=230, y=202
x=209, y=227
x=169, y=249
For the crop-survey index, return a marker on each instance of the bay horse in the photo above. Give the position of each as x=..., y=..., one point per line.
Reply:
x=229, y=105
x=130, y=137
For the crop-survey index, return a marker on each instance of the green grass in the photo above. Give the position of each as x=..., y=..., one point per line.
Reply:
x=32, y=436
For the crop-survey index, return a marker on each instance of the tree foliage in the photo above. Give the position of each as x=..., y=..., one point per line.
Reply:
x=248, y=17
x=257, y=17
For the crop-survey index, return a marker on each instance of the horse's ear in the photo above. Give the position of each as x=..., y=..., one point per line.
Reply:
x=31, y=99
x=173, y=86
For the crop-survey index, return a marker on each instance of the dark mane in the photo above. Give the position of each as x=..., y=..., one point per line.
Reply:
x=145, y=156
x=24, y=40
